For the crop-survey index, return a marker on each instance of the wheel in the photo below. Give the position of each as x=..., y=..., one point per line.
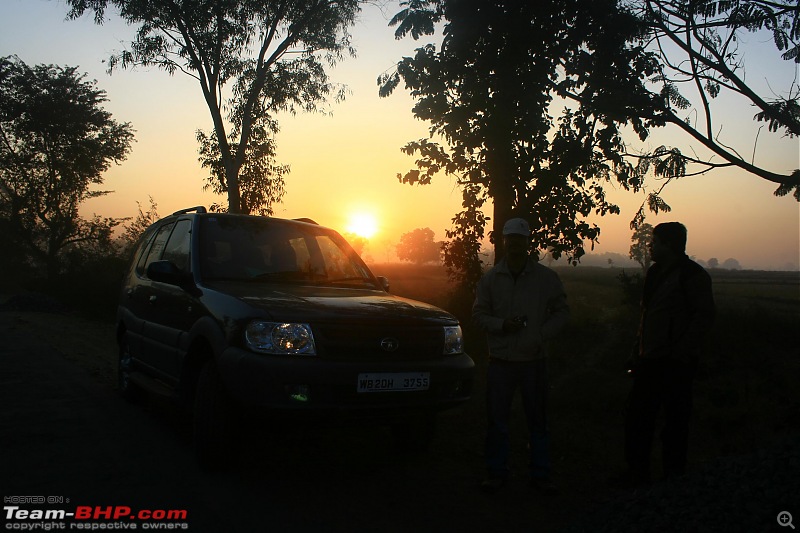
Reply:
x=414, y=434
x=127, y=388
x=213, y=419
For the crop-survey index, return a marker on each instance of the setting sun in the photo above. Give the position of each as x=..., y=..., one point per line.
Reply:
x=363, y=225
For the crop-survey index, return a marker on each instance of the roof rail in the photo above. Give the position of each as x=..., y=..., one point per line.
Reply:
x=307, y=220
x=196, y=209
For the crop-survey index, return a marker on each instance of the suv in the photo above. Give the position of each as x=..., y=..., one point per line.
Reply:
x=242, y=316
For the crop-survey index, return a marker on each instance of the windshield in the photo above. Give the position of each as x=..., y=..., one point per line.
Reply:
x=265, y=250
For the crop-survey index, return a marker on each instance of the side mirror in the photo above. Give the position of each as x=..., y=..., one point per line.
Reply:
x=166, y=272
x=384, y=281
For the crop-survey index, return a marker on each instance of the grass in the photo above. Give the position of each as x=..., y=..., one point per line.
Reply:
x=745, y=393
x=427, y=283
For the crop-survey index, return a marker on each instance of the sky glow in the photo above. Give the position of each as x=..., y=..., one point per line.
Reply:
x=344, y=164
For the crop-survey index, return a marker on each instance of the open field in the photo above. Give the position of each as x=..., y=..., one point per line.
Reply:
x=746, y=391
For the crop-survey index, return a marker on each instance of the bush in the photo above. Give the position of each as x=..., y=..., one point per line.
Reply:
x=632, y=286
x=90, y=289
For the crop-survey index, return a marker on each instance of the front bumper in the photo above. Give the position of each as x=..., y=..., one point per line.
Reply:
x=292, y=384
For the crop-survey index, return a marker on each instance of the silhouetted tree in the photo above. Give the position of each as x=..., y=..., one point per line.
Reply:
x=419, y=247
x=640, y=247
x=261, y=179
x=357, y=242
x=700, y=46
x=252, y=58
x=548, y=258
x=505, y=68
x=731, y=264
x=490, y=93
x=713, y=262
x=56, y=141
x=134, y=229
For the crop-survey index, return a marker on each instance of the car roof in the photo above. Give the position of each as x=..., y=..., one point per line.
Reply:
x=201, y=211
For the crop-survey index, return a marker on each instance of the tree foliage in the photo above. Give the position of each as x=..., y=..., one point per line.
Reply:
x=640, y=245
x=357, y=242
x=701, y=51
x=56, y=142
x=261, y=179
x=252, y=59
x=528, y=103
x=492, y=94
x=133, y=229
x=419, y=247
x=731, y=264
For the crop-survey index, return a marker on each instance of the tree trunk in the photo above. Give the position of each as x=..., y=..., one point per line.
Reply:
x=52, y=262
x=503, y=209
x=232, y=178
x=502, y=168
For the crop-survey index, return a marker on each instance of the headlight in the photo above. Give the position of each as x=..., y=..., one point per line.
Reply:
x=280, y=338
x=453, y=340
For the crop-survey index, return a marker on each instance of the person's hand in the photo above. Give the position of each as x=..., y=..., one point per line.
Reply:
x=513, y=325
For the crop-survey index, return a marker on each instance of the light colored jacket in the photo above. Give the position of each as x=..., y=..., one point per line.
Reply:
x=536, y=293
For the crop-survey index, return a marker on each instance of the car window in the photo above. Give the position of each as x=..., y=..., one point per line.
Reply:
x=338, y=266
x=302, y=255
x=154, y=254
x=147, y=242
x=141, y=249
x=263, y=249
x=179, y=244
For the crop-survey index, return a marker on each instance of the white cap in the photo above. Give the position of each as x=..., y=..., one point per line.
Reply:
x=517, y=226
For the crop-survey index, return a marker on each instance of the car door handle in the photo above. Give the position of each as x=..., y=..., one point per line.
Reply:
x=153, y=300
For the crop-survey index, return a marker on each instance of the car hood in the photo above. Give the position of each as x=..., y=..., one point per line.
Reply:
x=330, y=304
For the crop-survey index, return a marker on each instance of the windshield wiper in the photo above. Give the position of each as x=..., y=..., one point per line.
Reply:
x=363, y=280
x=224, y=278
x=286, y=275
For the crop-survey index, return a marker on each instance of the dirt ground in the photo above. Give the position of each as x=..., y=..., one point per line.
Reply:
x=70, y=435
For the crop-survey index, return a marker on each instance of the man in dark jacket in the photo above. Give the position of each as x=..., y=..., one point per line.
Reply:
x=677, y=311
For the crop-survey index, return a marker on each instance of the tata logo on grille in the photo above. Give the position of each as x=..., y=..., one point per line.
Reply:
x=389, y=344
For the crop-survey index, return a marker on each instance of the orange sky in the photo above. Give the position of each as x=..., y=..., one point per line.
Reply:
x=345, y=164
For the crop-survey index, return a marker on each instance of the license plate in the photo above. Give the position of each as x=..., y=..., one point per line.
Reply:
x=394, y=381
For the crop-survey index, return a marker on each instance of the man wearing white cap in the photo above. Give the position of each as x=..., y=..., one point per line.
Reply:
x=521, y=304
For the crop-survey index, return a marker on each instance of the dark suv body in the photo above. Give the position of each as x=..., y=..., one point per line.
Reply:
x=242, y=316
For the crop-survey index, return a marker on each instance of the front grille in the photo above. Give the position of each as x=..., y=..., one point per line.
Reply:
x=358, y=342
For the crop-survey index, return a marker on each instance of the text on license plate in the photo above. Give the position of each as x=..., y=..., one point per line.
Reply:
x=394, y=381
